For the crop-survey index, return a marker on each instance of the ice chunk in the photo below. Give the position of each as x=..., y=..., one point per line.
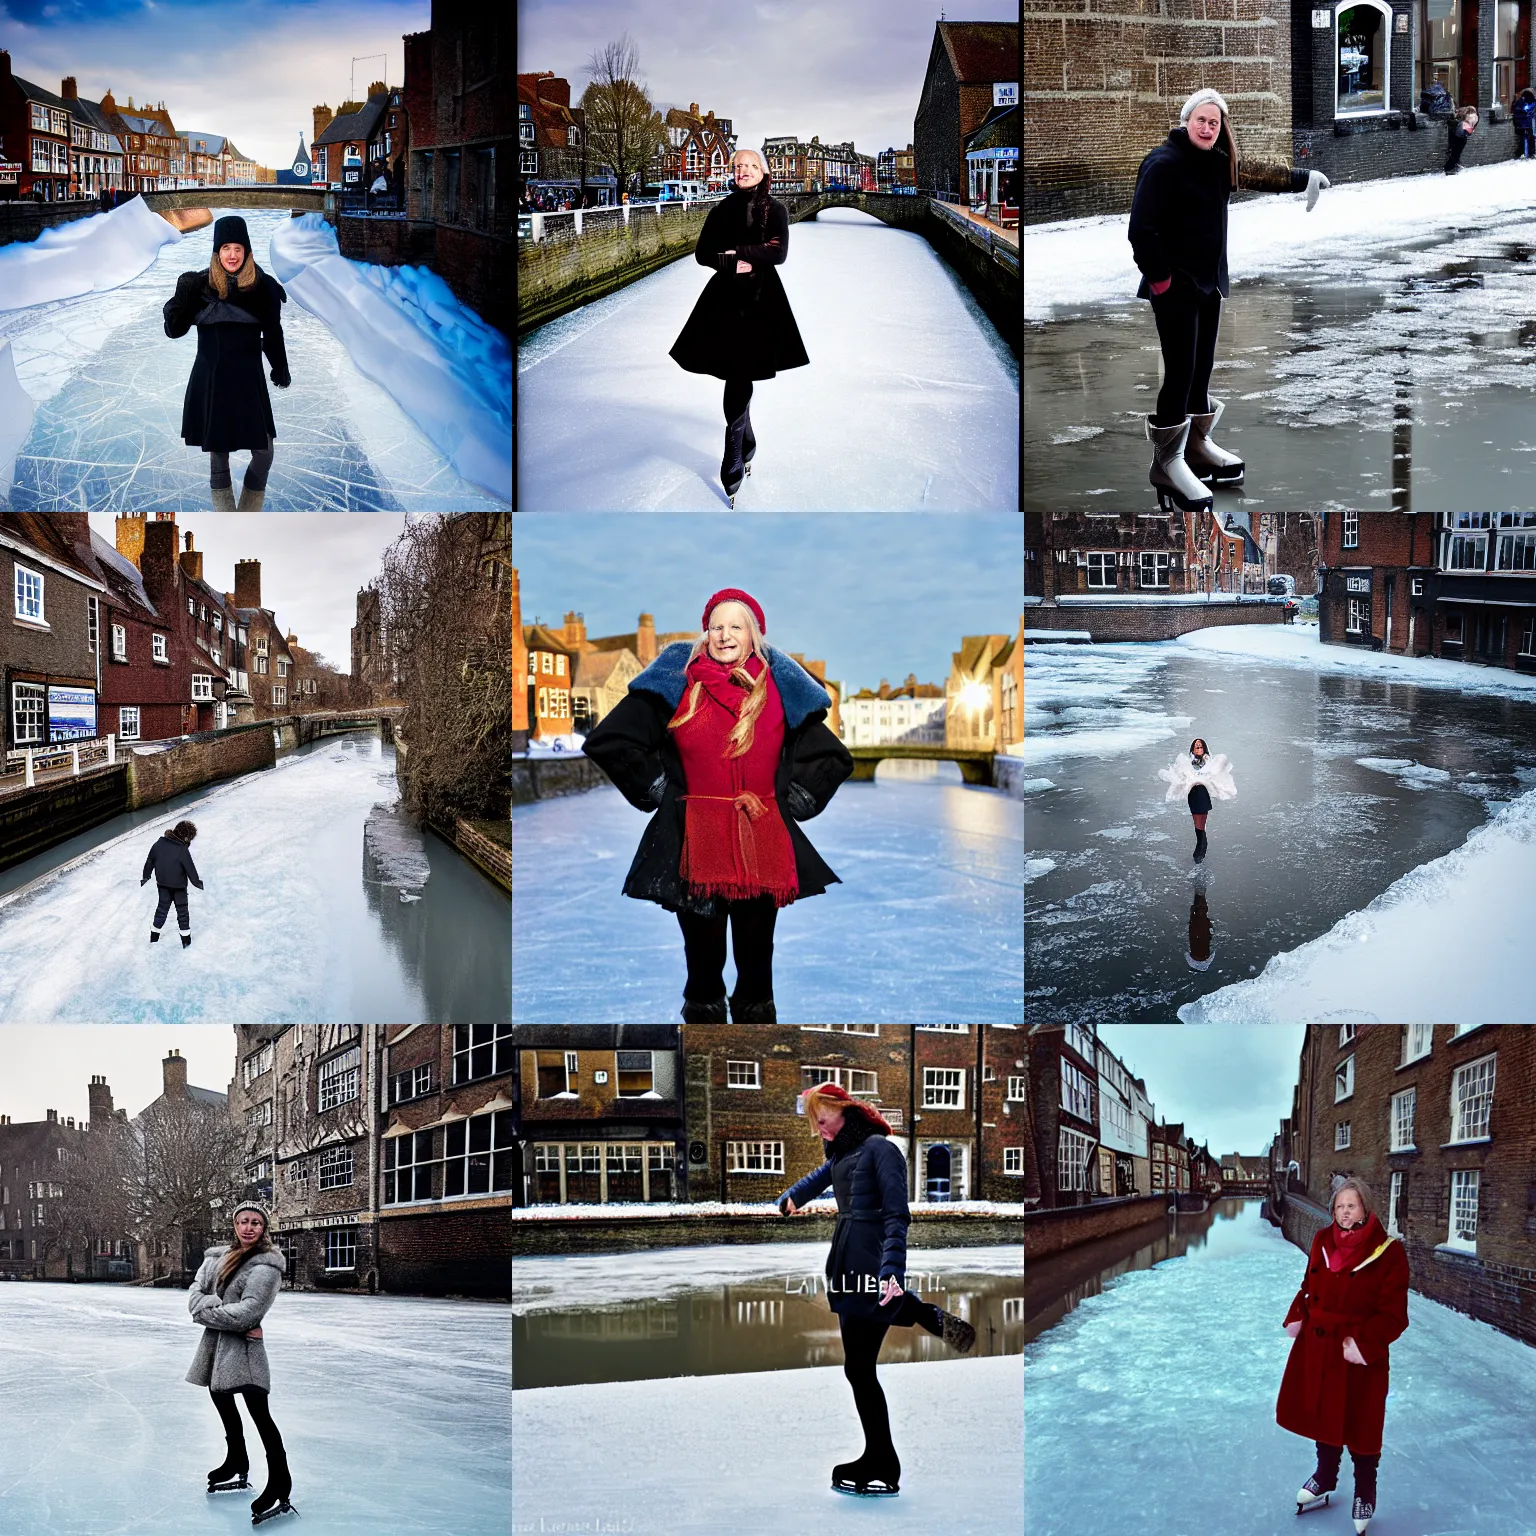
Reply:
x=84, y=256
x=1035, y=868
x=1414, y=775
x=450, y=372
x=16, y=411
x=396, y=850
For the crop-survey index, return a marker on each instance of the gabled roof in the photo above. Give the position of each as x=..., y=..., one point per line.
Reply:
x=37, y=93
x=207, y=143
x=355, y=126
x=594, y=668
x=121, y=575
x=540, y=638
x=981, y=51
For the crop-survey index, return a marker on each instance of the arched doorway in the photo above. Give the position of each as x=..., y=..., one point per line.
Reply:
x=936, y=1173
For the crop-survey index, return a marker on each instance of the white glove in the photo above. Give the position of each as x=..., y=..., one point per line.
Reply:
x=1316, y=181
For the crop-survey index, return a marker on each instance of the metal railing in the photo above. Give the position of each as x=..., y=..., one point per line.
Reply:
x=64, y=759
x=572, y=223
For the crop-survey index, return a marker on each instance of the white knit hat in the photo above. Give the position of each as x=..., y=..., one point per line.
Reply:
x=1203, y=95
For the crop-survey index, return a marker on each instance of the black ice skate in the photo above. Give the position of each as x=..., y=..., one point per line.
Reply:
x=748, y=444
x=1200, y=845
x=704, y=1013
x=958, y=1333
x=732, y=467
x=186, y=939
x=1312, y=1495
x=273, y=1500
x=154, y=935
x=1363, y=1513
x=867, y=1479
x=231, y=1476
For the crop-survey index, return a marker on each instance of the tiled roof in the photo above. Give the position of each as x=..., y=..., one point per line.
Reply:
x=121, y=574
x=594, y=668
x=208, y=143
x=355, y=126
x=540, y=638
x=982, y=51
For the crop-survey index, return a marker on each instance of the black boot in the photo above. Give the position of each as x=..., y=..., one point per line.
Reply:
x=872, y=1476
x=748, y=443
x=732, y=467
x=1200, y=846
x=273, y=1499
x=1364, y=1510
x=1323, y=1481
x=232, y=1475
x=154, y=935
x=186, y=939
x=958, y=1333
x=762, y=1012
x=704, y=1013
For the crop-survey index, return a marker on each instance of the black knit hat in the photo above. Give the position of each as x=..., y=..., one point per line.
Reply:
x=231, y=230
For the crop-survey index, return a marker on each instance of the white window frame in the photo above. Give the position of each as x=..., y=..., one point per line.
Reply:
x=92, y=623
x=1351, y=530
x=1418, y=1042
x=31, y=725
x=1013, y=1162
x=735, y=1071
x=1015, y=1094
x=119, y=642
x=202, y=687
x=473, y=1171
x=1358, y=621
x=1394, y=1190
x=339, y=1079
x=1074, y=1157
x=1102, y=562
x=1076, y=1091
x=1350, y=115
x=258, y=1062
x=939, y=1083
x=337, y=1168
x=1153, y=569
x=340, y=1249
x=1341, y=1135
x=128, y=722
x=1344, y=1080
x=857, y=1081
x=1403, y=1106
x=1472, y=1089
x=279, y=694
x=159, y=650
x=1465, y=1190
x=1346, y=1034
x=31, y=588
x=754, y=1157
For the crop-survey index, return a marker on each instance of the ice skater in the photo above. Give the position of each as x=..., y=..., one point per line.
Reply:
x=170, y=862
x=1178, y=235
x=726, y=740
x=1352, y=1303
x=234, y=1289
x=1197, y=777
x=742, y=327
x=866, y=1267
x=237, y=309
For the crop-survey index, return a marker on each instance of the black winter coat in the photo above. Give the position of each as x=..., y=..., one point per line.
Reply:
x=633, y=746
x=869, y=1241
x=1179, y=214
x=170, y=862
x=742, y=325
x=227, y=405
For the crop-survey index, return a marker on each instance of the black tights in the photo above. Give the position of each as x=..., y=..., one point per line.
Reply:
x=256, y=1406
x=256, y=472
x=1328, y=1459
x=862, y=1338
x=1187, y=325
x=738, y=395
x=751, y=924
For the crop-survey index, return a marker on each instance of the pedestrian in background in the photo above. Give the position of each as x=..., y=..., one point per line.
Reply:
x=1462, y=129
x=1524, y=115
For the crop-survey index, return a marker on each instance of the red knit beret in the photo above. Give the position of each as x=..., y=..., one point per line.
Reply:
x=840, y=1096
x=734, y=595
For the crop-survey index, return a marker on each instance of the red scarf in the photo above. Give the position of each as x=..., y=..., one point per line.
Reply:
x=1347, y=1249
x=735, y=842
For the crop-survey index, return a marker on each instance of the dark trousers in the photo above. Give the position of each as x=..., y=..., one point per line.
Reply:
x=261, y=1417
x=751, y=924
x=256, y=471
x=862, y=1338
x=1187, y=323
x=1458, y=144
x=1526, y=138
x=738, y=396
x=168, y=894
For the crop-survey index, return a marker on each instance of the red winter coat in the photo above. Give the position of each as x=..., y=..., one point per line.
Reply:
x=1323, y=1396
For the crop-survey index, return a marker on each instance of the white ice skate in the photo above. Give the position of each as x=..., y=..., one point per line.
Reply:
x=1312, y=1495
x=1363, y=1513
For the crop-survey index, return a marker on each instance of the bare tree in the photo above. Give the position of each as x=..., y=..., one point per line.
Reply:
x=95, y=1205
x=624, y=130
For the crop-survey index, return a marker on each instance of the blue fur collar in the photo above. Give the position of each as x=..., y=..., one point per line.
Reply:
x=802, y=695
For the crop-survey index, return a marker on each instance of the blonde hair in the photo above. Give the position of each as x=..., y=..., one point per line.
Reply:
x=740, y=737
x=1361, y=1188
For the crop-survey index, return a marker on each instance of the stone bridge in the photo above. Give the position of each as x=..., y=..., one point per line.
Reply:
x=254, y=195
x=976, y=764
x=893, y=208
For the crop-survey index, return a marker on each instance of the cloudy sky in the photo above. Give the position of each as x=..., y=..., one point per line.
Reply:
x=873, y=594
x=49, y=1066
x=251, y=70
x=1229, y=1083
x=312, y=564
x=841, y=69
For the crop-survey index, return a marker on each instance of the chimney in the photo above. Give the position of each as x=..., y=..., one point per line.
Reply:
x=101, y=1100
x=192, y=560
x=130, y=536
x=378, y=88
x=645, y=640
x=5, y=74
x=323, y=116
x=108, y=103
x=53, y=1117
x=248, y=583
x=174, y=1068
x=158, y=562
x=575, y=631
x=71, y=1122
x=5, y=1119
x=885, y=689
x=68, y=89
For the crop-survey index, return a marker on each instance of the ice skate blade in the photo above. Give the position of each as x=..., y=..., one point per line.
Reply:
x=1311, y=1504
x=239, y=1487
x=866, y=1493
x=284, y=1508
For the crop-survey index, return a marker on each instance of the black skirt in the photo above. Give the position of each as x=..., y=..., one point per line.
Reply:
x=1199, y=800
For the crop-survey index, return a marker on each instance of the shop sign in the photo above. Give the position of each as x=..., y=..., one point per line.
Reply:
x=71, y=713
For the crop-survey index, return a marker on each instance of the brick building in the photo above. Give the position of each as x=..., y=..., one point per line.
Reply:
x=348, y=146
x=699, y=148
x=1459, y=585
x=149, y=141
x=271, y=664
x=36, y=133
x=965, y=60
x=552, y=143
x=1064, y=1092
x=1440, y=1121
x=786, y=157
x=1170, y=1159
x=96, y=154
x=551, y=672
x=1026, y=1160
x=972, y=692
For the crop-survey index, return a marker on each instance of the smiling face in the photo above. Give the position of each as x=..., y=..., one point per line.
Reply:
x=248, y=1227
x=232, y=256
x=730, y=633
x=746, y=168
x=1348, y=1209
x=1205, y=125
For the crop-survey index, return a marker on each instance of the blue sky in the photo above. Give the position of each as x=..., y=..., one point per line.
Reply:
x=873, y=594
x=251, y=70
x=853, y=70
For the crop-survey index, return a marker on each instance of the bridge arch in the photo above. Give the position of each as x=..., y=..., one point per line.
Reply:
x=259, y=195
x=976, y=765
x=893, y=208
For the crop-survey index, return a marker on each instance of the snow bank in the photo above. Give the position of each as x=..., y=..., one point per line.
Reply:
x=1301, y=645
x=84, y=256
x=1088, y=261
x=751, y=1453
x=16, y=412
x=1404, y=958
x=700, y=1209
x=449, y=371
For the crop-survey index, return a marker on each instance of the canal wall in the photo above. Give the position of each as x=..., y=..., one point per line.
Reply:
x=542, y=778
x=1052, y=1231
x=1162, y=618
x=20, y=222
x=533, y=1236
x=489, y=856
x=34, y=820
x=203, y=758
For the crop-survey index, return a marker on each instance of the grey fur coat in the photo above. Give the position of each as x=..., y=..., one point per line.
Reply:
x=225, y=1358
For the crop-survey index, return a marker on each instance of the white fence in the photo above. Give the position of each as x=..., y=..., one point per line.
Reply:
x=69, y=757
x=575, y=222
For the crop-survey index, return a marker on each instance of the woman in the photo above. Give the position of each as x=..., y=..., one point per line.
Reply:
x=866, y=1267
x=1178, y=235
x=170, y=862
x=234, y=1290
x=1462, y=129
x=1351, y=1305
x=237, y=309
x=720, y=737
x=742, y=327
x=1197, y=777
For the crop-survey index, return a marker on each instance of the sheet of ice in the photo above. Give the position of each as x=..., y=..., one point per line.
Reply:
x=751, y=1453
x=115, y=1441
x=1414, y=775
x=108, y=386
x=931, y=904
x=281, y=855
x=925, y=395
x=16, y=412
x=84, y=256
x=1091, y=1379
x=1035, y=868
x=556, y=1283
x=1083, y=701
x=1398, y=960
x=397, y=849
x=1088, y=261
x=450, y=372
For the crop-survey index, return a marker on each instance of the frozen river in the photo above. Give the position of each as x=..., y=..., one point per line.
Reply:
x=1345, y=783
x=910, y=401
x=394, y=1412
x=1178, y=1367
x=924, y=928
x=322, y=906
x=109, y=384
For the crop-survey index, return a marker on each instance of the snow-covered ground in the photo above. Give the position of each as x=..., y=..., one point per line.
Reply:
x=636, y=1210
x=923, y=394
x=1177, y=1368
x=565, y=1281
x=107, y=386
x=924, y=928
x=394, y=1413
x=1088, y=261
x=752, y=1453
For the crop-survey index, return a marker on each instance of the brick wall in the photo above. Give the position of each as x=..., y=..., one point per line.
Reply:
x=34, y=819
x=1144, y=621
x=156, y=776
x=1046, y=1048
x=489, y=856
x=542, y=778
x=1048, y=1232
x=1105, y=79
x=447, y=1253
